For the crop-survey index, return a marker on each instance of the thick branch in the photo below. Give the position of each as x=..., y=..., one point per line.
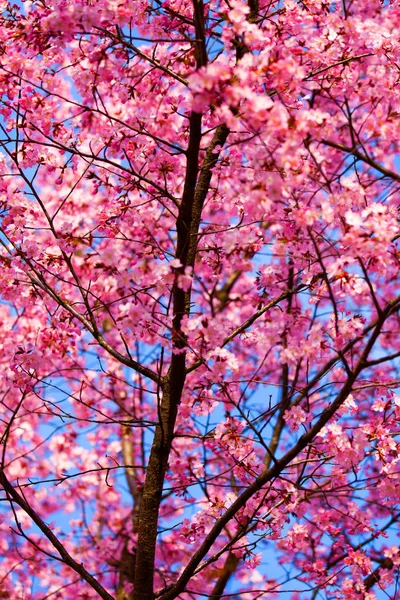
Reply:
x=364, y=158
x=188, y=222
x=254, y=10
x=172, y=388
x=203, y=185
x=375, y=576
x=65, y=556
x=228, y=569
x=201, y=50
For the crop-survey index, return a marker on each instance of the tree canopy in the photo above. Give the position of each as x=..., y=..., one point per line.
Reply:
x=199, y=293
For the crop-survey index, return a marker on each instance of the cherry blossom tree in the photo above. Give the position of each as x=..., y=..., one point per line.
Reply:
x=199, y=299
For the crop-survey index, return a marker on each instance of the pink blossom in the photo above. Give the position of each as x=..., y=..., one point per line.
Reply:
x=295, y=417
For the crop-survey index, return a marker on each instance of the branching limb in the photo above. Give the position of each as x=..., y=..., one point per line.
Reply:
x=375, y=576
x=364, y=158
x=172, y=387
x=14, y=496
